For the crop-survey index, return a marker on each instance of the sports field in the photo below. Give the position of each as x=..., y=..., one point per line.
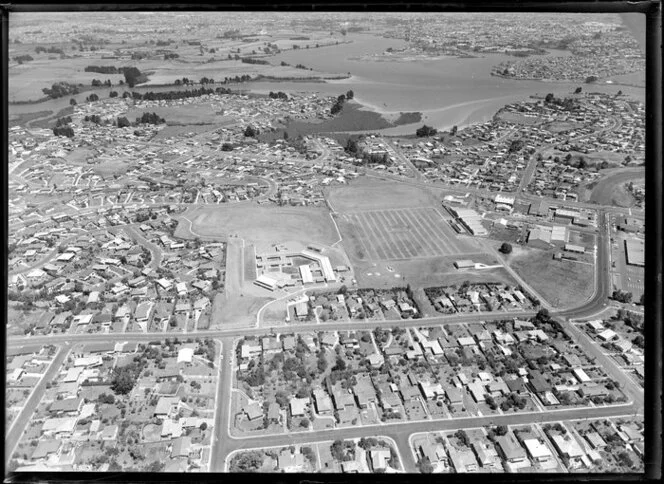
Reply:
x=260, y=225
x=400, y=233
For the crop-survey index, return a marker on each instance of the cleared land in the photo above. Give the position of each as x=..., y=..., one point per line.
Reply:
x=263, y=225
x=562, y=283
x=398, y=234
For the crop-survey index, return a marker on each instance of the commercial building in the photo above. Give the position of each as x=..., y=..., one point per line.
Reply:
x=470, y=219
x=635, y=250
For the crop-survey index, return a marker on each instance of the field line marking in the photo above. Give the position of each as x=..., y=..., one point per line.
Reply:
x=420, y=229
x=366, y=246
x=338, y=232
x=381, y=221
x=379, y=250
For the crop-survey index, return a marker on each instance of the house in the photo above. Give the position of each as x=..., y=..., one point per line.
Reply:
x=289, y=462
x=46, y=448
x=298, y=406
x=454, y=395
x=253, y=411
x=171, y=428
x=434, y=452
x=109, y=433
x=568, y=447
x=537, y=450
x=143, y=312
x=341, y=398
x=463, y=460
x=595, y=440
x=67, y=406
x=185, y=355
x=274, y=412
x=364, y=391
x=165, y=406
x=181, y=447
x=380, y=458
x=510, y=449
x=323, y=402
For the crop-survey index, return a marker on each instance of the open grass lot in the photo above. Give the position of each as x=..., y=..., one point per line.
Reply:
x=426, y=272
x=398, y=234
x=562, y=283
x=374, y=194
x=235, y=310
x=183, y=115
x=267, y=225
x=611, y=191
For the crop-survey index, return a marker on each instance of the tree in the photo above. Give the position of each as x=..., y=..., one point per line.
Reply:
x=132, y=75
x=425, y=131
x=454, y=130
x=72, y=102
x=123, y=122
x=350, y=94
x=578, y=90
x=506, y=248
x=250, y=132
x=548, y=98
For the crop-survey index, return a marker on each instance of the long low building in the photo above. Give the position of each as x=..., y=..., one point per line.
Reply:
x=635, y=250
x=325, y=264
x=470, y=219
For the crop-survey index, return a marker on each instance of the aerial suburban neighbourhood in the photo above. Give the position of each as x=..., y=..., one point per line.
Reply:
x=287, y=242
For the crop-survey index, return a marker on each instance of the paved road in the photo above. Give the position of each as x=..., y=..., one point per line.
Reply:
x=155, y=251
x=400, y=432
x=21, y=421
x=291, y=328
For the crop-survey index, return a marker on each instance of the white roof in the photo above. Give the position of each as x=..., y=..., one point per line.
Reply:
x=185, y=355
x=536, y=448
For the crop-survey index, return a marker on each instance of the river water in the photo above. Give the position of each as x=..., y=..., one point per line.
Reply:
x=447, y=91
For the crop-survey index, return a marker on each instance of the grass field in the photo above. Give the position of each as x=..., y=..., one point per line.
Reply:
x=397, y=234
x=562, y=283
x=611, y=190
x=374, y=194
x=426, y=272
x=264, y=225
x=184, y=115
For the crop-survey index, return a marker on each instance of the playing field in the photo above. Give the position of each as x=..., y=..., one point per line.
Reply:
x=260, y=225
x=400, y=233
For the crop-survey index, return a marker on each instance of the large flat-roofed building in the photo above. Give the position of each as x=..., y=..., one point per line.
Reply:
x=470, y=219
x=635, y=252
x=305, y=273
x=266, y=282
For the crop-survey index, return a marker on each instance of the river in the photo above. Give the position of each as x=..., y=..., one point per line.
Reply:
x=447, y=91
